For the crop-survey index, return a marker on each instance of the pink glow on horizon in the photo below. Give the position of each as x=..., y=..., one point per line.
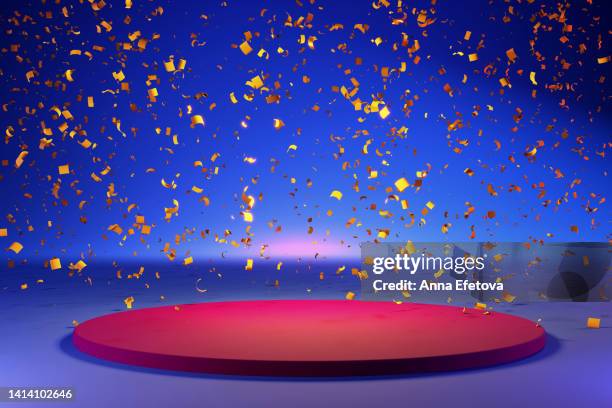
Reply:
x=308, y=249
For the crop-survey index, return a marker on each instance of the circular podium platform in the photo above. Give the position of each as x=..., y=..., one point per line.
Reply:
x=309, y=338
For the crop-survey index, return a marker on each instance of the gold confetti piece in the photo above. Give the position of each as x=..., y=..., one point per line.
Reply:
x=3, y=232
x=401, y=184
x=188, y=260
x=68, y=75
x=20, y=158
x=364, y=149
x=249, y=265
x=467, y=35
x=24, y=286
x=197, y=120
x=292, y=147
x=336, y=194
x=256, y=82
x=593, y=323
x=448, y=89
x=64, y=169
x=16, y=247
x=153, y=94
x=30, y=75
x=263, y=54
x=410, y=248
x=79, y=266
x=491, y=190
x=247, y=216
x=129, y=301
x=106, y=26
x=508, y=297
x=86, y=144
x=532, y=78
x=278, y=124
x=55, y=264
x=116, y=229
x=480, y=306
x=246, y=48
x=603, y=60
x=169, y=65
x=233, y=98
x=350, y=295
x=511, y=54
x=171, y=185
x=384, y=112
x=119, y=76
x=361, y=27
x=473, y=57
x=311, y=41
x=172, y=210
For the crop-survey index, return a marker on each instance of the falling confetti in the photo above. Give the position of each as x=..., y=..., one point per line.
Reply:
x=128, y=136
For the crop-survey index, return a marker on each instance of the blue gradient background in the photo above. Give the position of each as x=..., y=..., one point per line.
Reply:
x=218, y=69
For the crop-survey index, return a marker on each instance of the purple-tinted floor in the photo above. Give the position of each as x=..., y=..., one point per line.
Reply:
x=575, y=368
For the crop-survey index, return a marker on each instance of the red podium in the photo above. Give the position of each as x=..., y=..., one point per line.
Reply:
x=309, y=338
